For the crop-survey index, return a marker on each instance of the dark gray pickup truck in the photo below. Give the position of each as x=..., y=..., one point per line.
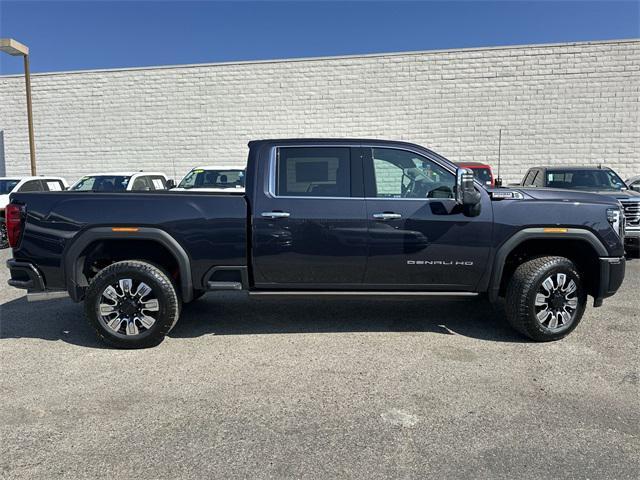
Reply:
x=600, y=180
x=320, y=217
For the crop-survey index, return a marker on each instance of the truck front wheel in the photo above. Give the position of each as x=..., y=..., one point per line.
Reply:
x=132, y=304
x=545, y=298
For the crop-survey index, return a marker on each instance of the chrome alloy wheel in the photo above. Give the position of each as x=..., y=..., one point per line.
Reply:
x=127, y=311
x=556, y=302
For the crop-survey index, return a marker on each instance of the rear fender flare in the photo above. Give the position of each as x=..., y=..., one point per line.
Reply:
x=72, y=269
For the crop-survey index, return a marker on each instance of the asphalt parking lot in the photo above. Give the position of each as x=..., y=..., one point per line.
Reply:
x=321, y=389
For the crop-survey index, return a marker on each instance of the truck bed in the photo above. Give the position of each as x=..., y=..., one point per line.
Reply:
x=210, y=227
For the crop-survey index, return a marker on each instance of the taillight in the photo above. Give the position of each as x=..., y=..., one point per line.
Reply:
x=13, y=217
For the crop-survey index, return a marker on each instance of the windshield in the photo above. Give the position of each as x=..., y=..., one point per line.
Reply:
x=595, y=179
x=200, y=178
x=7, y=185
x=102, y=183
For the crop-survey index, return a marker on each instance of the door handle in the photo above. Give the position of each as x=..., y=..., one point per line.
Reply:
x=276, y=214
x=386, y=216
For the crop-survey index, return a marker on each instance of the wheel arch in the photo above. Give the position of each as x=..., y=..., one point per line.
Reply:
x=75, y=253
x=552, y=243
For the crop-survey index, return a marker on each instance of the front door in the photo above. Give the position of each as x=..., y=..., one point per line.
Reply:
x=310, y=227
x=418, y=237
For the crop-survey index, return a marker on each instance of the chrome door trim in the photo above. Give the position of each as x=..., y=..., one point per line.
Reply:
x=271, y=184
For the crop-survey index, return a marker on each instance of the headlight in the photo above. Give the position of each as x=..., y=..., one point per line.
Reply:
x=616, y=219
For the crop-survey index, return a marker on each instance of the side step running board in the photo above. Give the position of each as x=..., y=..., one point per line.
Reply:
x=367, y=293
x=213, y=286
x=49, y=295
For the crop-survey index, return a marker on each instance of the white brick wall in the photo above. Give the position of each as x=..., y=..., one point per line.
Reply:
x=569, y=103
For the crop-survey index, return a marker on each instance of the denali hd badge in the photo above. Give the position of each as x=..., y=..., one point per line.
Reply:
x=440, y=262
x=506, y=195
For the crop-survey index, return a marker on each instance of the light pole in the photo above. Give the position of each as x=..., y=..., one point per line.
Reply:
x=15, y=48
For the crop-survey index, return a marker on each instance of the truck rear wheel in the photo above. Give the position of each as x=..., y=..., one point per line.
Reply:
x=546, y=298
x=132, y=304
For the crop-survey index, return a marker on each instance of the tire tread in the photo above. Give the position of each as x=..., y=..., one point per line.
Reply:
x=518, y=290
x=172, y=302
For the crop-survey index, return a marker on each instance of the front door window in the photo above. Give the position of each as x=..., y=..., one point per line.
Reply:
x=403, y=174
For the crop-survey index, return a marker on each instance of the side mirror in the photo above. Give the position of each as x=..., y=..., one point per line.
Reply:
x=171, y=184
x=466, y=193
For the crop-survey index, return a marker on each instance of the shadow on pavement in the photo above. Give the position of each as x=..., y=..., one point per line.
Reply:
x=235, y=314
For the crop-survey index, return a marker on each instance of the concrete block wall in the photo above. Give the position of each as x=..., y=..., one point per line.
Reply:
x=575, y=103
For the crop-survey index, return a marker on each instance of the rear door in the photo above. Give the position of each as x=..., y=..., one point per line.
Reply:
x=419, y=238
x=309, y=226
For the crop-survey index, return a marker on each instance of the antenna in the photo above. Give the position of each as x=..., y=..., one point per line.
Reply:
x=173, y=163
x=498, y=181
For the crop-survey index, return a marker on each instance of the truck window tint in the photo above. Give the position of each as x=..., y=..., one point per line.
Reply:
x=140, y=184
x=6, y=186
x=583, y=179
x=538, y=180
x=528, y=179
x=32, y=186
x=483, y=175
x=201, y=178
x=403, y=174
x=102, y=183
x=314, y=172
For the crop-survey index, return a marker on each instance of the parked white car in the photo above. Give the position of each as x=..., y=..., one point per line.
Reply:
x=123, y=182
x=9, y=185
x=213, y=178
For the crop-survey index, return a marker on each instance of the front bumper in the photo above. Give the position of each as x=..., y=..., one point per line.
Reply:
x=612, y=271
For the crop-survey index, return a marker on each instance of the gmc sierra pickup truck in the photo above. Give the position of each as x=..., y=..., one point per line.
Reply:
x=320, y=217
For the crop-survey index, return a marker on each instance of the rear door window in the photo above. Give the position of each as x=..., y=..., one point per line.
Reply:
x=313, y=172
x=32, y=186
x=141, y=184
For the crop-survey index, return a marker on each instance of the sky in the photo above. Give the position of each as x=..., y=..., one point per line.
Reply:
x=81, y=35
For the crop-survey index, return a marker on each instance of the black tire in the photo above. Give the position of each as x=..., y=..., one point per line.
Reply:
x=527, y=283
x=165, y=313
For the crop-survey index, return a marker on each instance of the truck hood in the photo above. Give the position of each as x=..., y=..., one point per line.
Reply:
x=571, y=195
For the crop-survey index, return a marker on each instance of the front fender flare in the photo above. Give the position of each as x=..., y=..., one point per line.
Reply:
x=537, y=233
